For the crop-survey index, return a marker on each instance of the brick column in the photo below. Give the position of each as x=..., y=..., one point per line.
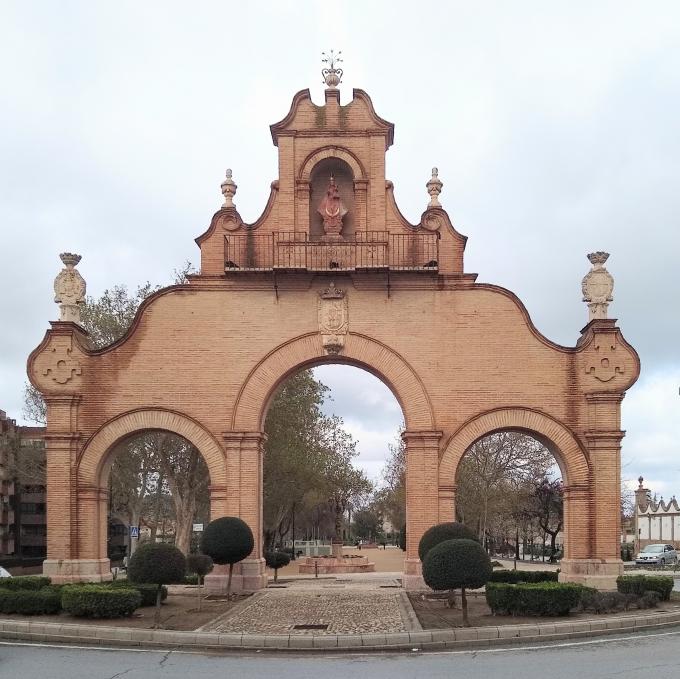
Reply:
x=361, y=204
x=422, y=497
x=65, y=562
x=242, y=497
x=447, y=503
x=602, y=565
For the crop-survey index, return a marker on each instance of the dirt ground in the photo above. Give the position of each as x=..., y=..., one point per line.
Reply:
x=433, y=613
x=179, y=612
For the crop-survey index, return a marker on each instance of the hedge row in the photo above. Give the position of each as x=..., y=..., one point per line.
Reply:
x=30, y=582
x=639, y=584
x=513, y=577
x=43, y=601
x=147, y=592
x=100, y=601
x=544, y=598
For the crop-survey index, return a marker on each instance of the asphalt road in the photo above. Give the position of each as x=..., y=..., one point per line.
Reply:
x=621, y=657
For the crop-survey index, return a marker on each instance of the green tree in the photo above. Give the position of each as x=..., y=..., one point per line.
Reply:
x=158, y=564
x=368, y=524
x=227, y=540
x=457, y=564
x=547, y=506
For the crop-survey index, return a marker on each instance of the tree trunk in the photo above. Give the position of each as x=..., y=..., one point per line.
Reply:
x=134, y=521
x=200, y=599
x=463, y=605
x=231, y=570
x=183, y=526
x=451, y=601
x=276, y=575
x=157, y=617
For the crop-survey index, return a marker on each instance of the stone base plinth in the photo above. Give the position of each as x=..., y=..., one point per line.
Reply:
x=599, y=573
x=61, y=571
x=330, y=564
x=248, y=576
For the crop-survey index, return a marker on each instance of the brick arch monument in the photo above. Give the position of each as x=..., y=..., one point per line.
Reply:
x=203, y=359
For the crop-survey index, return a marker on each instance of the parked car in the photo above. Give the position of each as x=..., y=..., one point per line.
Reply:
x=656, y=555
x=4, y=573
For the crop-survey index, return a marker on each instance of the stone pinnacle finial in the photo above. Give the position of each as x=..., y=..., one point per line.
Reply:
x=228, y=190
x=434, y=188
x=331, y=76
x=69, y=289
x=640, y=480
x=597, y=286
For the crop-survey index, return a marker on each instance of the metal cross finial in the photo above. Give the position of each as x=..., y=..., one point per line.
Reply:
x=332, y=76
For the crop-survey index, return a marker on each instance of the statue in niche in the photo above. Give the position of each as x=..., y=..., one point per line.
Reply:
x=332, y=210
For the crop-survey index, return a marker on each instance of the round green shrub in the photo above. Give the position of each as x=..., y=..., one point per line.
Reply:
x=24, y=582
x=44, y=601
x=227, y=540
x=148, y=592
x=441, y=532
x=157, y=563
x=276, y=560
x=200, y=564
x=456, y=564
x=100, y=601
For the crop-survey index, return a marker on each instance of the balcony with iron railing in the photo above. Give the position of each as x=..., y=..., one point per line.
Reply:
x=365, y=251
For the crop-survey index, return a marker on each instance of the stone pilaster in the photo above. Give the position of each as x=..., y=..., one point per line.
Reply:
x=422, y=497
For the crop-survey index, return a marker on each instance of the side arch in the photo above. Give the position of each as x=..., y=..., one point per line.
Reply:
x=93, y=458
x=331, y=152
x=570, y=455
x=307, y=351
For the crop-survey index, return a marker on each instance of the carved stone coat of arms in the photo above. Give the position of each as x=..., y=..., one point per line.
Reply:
x=333, y=318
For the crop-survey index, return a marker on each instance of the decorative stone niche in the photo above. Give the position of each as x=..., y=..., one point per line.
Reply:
x=344, y=179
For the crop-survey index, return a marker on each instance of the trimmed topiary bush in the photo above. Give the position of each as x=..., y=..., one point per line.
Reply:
x=543, y=598
x=514, y=577
x=639, y=584
x=227, y=540
x=100, y=601
x=148, y=592
x=25, y=582
x=457, y=564
x=441, y=532
x=276, y=560
x=159, y=564
x=201, y=565
x=44, y=601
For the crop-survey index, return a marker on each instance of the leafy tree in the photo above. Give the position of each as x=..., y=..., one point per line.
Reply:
x=227, y=540
x=391, y=498
x=294, y=458
x=276, y=560
x=548, y=510
x=457, y=564
x=158, y=564
x=441, y=533
x=201, y=564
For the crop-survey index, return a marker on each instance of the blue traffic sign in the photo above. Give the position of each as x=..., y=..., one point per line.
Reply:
x=134, y=531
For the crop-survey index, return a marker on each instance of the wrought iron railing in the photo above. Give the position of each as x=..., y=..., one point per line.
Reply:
x=366, y=250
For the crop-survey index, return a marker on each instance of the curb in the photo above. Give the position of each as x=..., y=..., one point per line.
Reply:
x=454, y=638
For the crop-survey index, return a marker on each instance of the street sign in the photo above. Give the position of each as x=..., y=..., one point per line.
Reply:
x=134, y=531
x=198, y=528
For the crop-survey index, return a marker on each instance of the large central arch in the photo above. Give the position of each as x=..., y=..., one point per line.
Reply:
x=307, y=351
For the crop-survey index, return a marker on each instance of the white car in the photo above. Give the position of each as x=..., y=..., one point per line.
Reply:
x=658, y=555
x=4, y=573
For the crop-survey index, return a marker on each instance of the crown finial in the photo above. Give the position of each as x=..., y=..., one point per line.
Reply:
x=228, y=190
x=597, y=286
x=332, y=76
x=434, y=188
x=69, y=288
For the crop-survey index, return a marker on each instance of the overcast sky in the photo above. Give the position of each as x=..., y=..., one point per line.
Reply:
x=554, y=127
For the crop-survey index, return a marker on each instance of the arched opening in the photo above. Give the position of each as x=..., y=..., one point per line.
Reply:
x=158, y=490
x=319, y=180
x=509, y=493
x=331, y=432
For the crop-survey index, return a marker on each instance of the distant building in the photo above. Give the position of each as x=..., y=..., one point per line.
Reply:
x=23, y=525
x=655, y=521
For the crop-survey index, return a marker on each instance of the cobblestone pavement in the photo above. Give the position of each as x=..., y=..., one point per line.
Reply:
x=358, y=609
